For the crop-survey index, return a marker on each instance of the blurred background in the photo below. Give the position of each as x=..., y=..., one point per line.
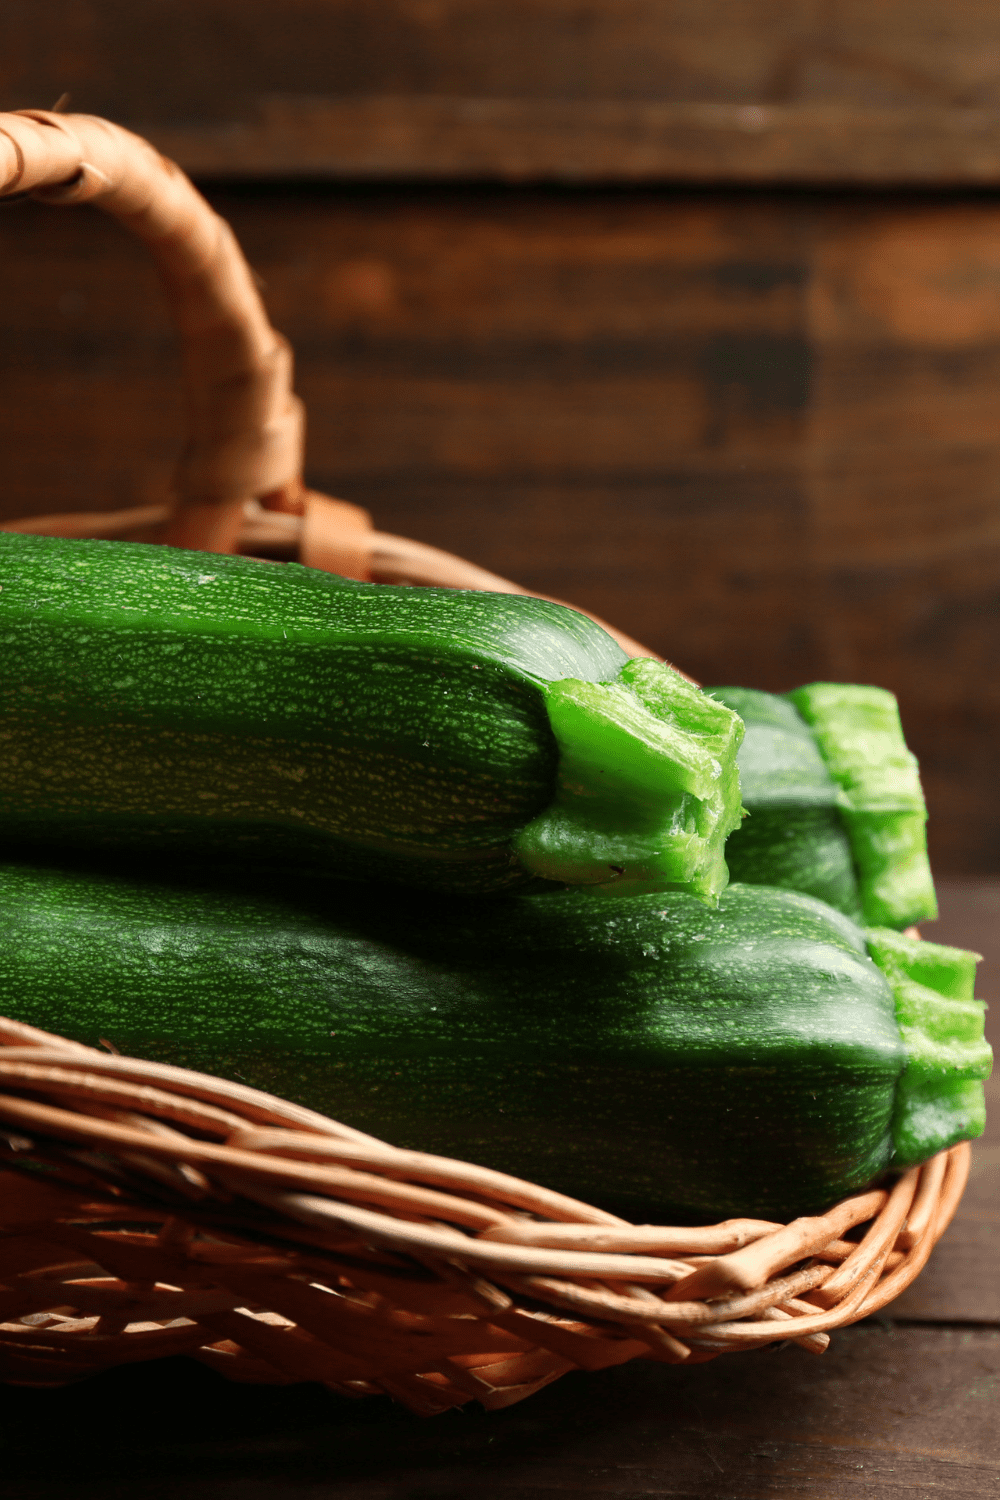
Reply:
x=686, y=312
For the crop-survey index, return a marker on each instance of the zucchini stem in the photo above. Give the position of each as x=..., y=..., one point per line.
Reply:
x=647, y=791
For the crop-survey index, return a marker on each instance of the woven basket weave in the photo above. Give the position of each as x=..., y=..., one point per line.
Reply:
x=148, y=1211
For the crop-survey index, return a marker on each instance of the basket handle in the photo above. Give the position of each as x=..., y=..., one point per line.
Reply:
x=245, y=425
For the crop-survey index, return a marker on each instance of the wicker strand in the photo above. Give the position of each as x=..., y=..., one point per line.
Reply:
x=148, y=1211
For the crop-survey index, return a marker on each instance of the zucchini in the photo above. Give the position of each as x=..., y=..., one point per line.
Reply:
x=178, y=701
x=641, y=1052
x=794, y=836
x=834, y=800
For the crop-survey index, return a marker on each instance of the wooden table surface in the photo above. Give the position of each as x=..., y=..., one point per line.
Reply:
x=903, y=1405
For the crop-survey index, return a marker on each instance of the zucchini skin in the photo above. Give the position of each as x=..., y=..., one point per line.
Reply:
x=181, y=701
x=641, y=1052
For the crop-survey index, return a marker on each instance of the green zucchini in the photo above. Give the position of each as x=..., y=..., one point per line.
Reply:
x=641, y=1052
x=794, y=835
x=179, y=701
x=834, y=801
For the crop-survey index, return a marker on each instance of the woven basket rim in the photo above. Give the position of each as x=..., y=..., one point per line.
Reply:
x=201, y=1213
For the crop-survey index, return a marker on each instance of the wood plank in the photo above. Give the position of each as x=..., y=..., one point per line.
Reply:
x=883, y=1413
x=567, y=90
x=206, y=58
x=593, y=140
x=209, y=59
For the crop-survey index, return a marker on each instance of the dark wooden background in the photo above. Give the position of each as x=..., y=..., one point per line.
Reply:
x=690, y=313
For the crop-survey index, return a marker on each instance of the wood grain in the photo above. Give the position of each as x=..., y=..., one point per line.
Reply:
x=209, y=59
x=751, y=90
x=349, y=48
x=593, y=140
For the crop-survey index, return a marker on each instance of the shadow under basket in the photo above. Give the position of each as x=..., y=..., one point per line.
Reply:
x=148, y=1211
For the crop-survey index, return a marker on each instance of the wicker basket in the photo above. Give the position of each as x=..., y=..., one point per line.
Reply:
x=148, y=1211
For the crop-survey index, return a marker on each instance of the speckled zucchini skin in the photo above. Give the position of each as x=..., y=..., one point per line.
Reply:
x=641, y=1052
x=179, y=700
